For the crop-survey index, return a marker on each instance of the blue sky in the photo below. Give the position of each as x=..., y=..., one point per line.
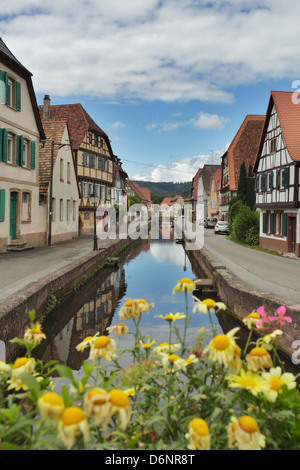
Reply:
x=169, y=81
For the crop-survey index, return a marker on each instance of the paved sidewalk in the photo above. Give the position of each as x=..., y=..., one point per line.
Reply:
x=18, y=269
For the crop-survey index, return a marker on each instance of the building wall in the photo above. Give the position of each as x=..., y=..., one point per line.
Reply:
x=22, y=180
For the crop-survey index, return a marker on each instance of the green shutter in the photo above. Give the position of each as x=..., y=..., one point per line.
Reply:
x=18, y=96
x=284, y=224
x=263, y=181
x=277, y=179
x=2, y=205
x=271, y=221
x=1, y=145
x=264, y=222
x=271, y=180
x=20, y=150
x=4, y=144
x=286, y=178
x=257, y=183
x=33, y=155
x=4, y=93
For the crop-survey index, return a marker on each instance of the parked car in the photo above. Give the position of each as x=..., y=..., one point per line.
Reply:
x=210, y=222
x=221, y=227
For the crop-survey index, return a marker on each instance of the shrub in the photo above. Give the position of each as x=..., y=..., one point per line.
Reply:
x=245, y=226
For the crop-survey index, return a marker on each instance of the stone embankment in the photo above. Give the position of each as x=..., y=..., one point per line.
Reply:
x=57, y=285
x=241, y=299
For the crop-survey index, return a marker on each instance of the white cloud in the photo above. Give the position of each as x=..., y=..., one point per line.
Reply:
x=153, y=50
x=181, y=170
x=203, y=120
x=118, y=125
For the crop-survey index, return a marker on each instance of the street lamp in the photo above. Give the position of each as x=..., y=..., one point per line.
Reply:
x=94, y=201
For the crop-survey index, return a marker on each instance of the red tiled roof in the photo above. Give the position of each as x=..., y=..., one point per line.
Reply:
x=78, y=119
x=289, y=118
x=143, y=193
x=243, y=147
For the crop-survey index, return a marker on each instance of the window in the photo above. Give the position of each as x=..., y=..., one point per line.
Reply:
x=61, y=169
x=26, y=206
x=10, y=91
x=74, y=210
x=68, y=209
x=273, y=145
x=10, y=100
x=61, y=210
x=10, y=148
x=25, y=153
x=53, y=209
x=69, y=172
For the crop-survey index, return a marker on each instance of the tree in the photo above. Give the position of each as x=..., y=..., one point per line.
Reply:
x=250, y=195
x=242, y=184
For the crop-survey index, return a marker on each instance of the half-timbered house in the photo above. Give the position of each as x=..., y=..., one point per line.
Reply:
x=277, y=170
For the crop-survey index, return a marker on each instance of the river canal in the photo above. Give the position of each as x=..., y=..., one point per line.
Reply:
x=149, y=271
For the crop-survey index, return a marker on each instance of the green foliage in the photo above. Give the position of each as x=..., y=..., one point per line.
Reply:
x=245, y=226
x=242, y=184
x=166, y=188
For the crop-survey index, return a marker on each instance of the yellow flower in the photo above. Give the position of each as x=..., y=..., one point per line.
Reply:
x=268, y=340
x=4, y=367
x=23, y=364
x=50, y=404
x=147, y=345
x=251, y=319
x=247, y=380
x=244, y=434
x=258, y=359
x=133, y=308
x=34, y=334
x=168, y=360
x=86, y=343
x=97, y=405
x=103, y=346
x=166, y=348
x=184, y=285
x=192, y=359
x=120, y=405
x=171, y=317
x=198, y=435
x=72, y=422
x=276, y=380
x=119, y=329
x=208, y=305
x=222, y=348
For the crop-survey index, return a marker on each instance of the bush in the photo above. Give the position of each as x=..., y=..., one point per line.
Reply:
x=245, y=226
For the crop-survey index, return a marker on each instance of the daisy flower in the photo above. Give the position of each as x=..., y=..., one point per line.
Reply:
x=50, y=404
x=184, y=285
x=4, y=367
x=86, y=343
x=103, y=346
x=171, y=317
x=166, y=348
x=248, y=380
x=147, y=345
x=97, y=405
x=72, y=422
x=251, y=319
x=120, y=405
x=222, y=348
x=258, y=359
x=119, y=329
x=34, y=334
x=208, y=306
x=198, y=435
x=275, y=380
x=244, y=434
x=268, y=340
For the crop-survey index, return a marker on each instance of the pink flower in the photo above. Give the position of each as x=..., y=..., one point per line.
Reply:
x=264, y=317
x=281, y=318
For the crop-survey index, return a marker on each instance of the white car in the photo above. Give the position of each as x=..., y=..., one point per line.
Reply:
x=221, y=227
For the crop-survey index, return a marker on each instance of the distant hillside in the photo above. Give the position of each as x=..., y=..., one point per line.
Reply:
x=166, y=188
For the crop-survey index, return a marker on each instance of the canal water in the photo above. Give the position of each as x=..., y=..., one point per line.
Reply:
x=149, y=271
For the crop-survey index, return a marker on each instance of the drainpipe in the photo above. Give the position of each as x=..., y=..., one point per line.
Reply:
x=50, y=195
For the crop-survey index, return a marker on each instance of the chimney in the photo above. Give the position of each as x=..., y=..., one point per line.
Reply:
x=46, y=108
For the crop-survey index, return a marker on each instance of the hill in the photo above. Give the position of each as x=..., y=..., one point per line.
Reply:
x=166, y=188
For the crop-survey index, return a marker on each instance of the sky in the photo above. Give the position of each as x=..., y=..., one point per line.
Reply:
x=169, y=81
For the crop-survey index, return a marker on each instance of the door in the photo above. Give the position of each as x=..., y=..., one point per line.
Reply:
x=13, y=215
x=291, y=234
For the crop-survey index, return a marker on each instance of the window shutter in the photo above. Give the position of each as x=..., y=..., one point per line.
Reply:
x=18, y=96
x=286, y=178
x=4, y=86
x=264, y=222
x=263, y=181
x=2, y=205
x=271, y=180
x=284, y=224
x=277, y=179
x=271, y=223
x=4, y=144
x=20, y=150
x=33, y=155
x=257, y=183
x=1, y=145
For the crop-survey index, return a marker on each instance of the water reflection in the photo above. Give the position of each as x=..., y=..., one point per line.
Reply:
x=149, y=272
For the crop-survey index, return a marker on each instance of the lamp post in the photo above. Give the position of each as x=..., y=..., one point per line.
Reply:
x=94, y=201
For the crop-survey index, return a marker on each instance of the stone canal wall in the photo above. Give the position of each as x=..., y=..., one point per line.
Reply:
x=241, y=299
x=58, y=285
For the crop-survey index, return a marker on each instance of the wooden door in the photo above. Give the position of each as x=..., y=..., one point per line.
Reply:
x=291, y=226
x=13, y=215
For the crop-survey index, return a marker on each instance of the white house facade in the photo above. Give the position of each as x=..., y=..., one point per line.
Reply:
x=277, y=170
